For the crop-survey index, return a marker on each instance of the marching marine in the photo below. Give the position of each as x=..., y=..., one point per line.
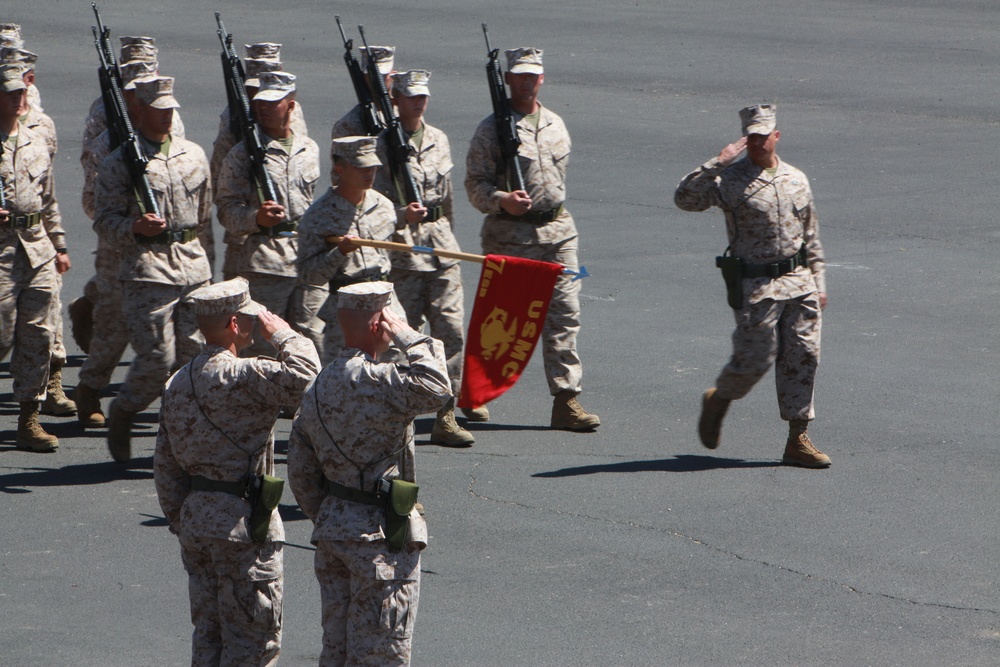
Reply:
x=163, y=258
x=534, y=223
x=266, y=256
x=32, y=252
x=429, y=287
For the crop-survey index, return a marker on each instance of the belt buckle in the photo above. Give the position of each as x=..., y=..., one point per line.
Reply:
x=19, y=221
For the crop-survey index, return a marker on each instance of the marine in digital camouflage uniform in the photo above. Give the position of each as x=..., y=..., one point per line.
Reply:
x=353, y=422
x=134, y=50
x=268, y=248
x=56, y=402
x=216, y=428
x=163, y=259
x=773, y=228
x=352, y=208
x=103, y=294
x=535, y=223
x=260, y=58
x=32, y=254
x=429, y=287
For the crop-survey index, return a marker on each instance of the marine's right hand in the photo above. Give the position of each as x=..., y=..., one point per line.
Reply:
x=149, y=225
x=516, y=203
x=729, y=154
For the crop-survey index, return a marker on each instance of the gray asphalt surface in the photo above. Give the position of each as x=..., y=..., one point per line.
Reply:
x=632, y=545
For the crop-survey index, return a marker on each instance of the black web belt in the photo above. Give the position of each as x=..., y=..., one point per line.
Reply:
x=337, y=283
x=535, y=217
x=354, y=495
x=238, y=489
x=776, y=269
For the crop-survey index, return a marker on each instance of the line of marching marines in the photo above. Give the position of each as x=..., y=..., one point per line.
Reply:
x=289, y=291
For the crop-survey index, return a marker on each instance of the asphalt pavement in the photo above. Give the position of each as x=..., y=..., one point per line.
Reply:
x=632, y=545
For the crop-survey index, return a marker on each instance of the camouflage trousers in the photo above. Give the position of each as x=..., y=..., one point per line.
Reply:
x=56, y=324
x=436, y=297
x=310, y=300
x=369, y=598
x=783, y=333
x=26, y=296
x=283, y=296
x=563, y=368
x=110, y=338
x=163, y=332
x=236, y=591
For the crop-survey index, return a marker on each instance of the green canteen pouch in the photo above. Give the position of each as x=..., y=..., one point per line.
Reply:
x=267, y=498
x=732, y=274
x=401, y=498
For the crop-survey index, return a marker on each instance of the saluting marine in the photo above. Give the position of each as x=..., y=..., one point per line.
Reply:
x=214, y=445
x=342, y=466
x=779, y=288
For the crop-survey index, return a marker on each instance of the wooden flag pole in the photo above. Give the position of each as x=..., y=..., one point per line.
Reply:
x=427, y=250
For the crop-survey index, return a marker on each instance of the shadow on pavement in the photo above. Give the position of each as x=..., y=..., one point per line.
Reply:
x=680, y=463
x=76, y=475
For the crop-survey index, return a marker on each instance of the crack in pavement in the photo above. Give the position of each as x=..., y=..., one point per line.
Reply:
x=721, y=550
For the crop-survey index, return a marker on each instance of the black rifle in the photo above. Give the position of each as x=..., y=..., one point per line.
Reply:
x=395, y=135
x=241, y=120
x=369, y=116
x=3, y=197
x=503, y=118
x=120, y=130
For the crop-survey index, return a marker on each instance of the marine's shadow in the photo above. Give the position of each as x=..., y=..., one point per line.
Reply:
x=75, y=475
x=679, y=463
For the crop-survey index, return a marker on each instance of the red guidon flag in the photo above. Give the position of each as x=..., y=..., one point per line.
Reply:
x=507, y=318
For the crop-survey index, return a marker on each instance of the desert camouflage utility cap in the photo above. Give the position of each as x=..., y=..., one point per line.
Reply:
x=367, y=297
x=157, y=92
x=10, y=36
x=758, y=119
x=12, y=78
x=133, y=71
x=384, y=57
x=412, y=83
x=527, y=60
x=358, y=151
x=275, y=86
x=263, y=51
x=137, y=49
x=13, y=55
x=254, y=67
x=231, y=297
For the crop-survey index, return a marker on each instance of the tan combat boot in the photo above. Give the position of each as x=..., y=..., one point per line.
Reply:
x=568, y=415
x=88, y=407
x=713, y=409
x=446, y=430
x=81, y=318
x=30, y=434
x=799, y=450
x=480, y=414
x=120, y=432
x=56, y=401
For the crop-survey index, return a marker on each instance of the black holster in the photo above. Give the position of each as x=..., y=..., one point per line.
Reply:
x=732, y=274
